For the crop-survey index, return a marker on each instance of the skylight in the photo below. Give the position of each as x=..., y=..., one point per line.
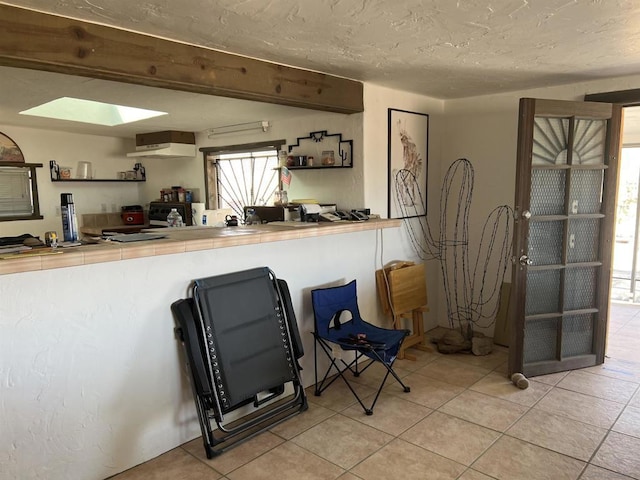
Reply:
x=88, y=111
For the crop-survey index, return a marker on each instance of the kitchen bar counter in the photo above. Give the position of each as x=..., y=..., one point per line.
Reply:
x=94, y=377
x=181, y=240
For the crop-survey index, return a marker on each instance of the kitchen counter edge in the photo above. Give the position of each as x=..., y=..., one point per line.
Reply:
x=182, y=241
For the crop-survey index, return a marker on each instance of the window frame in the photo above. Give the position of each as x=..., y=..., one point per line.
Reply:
x=209, y=152
x=35, y=203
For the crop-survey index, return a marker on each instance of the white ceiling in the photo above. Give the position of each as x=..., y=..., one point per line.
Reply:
x=440, y=48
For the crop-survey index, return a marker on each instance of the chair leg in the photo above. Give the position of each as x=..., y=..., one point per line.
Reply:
x=405, y=388
x=321, y=386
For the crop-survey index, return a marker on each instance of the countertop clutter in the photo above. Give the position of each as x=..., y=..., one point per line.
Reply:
x=180, y=240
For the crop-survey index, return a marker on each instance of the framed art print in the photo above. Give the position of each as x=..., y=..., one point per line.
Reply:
x=408, y=142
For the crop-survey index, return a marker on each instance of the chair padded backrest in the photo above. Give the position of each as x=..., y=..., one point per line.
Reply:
x=329, y=305
x=242, y=313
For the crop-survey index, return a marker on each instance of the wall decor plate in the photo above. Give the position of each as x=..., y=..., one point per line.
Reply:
x=9, y=151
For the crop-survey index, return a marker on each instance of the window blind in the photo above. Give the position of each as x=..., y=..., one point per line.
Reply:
x=15, y=192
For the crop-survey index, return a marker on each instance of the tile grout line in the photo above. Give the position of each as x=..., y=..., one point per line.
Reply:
x=529, y=408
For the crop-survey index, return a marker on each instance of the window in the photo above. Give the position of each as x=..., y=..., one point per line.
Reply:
x=241, y=175
x=18, y=192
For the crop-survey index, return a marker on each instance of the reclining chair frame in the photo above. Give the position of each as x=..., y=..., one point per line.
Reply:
x=212, y=388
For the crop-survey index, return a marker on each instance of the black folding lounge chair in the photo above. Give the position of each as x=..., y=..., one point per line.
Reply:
x=241, y=341
x=338, y=323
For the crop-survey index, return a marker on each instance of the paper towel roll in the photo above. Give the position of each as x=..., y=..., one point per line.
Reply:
x=198, y=210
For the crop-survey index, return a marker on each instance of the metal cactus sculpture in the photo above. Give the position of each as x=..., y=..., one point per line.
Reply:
x=472, y=284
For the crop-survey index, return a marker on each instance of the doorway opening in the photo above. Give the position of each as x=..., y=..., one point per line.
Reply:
x=625, y=285
x=624, y=303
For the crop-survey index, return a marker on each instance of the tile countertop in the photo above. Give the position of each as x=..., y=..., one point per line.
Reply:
x=180, y=240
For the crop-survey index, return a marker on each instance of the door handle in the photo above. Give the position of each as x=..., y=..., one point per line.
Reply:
x=525, y=260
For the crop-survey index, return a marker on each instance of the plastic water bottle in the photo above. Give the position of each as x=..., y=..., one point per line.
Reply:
x=252, y=217
x=174, y=219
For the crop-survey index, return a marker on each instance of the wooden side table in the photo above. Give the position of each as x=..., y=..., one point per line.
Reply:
x=403, y=295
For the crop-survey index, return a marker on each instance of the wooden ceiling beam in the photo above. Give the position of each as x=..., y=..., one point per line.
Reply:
x=41, y=41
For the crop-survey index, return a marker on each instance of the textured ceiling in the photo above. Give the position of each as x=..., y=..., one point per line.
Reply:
x=440, y=48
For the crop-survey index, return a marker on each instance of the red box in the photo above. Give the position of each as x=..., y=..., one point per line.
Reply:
x=132, y=215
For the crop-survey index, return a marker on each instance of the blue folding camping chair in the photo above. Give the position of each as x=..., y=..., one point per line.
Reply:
x=338, y=323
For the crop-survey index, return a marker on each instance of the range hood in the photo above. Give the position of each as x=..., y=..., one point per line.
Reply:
x=165, y=150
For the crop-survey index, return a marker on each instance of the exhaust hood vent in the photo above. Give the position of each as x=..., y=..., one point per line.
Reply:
x=164, y=150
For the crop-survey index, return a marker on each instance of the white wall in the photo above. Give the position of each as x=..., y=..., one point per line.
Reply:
x=107, y=155
x=377, y=101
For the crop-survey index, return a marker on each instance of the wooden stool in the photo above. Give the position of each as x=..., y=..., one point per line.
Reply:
x=403, y=295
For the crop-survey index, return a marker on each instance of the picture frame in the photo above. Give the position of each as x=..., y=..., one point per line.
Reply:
x=9, y=150
x=408, y=163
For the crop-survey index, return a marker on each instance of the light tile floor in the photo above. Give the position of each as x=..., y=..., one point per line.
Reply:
x=462, y=420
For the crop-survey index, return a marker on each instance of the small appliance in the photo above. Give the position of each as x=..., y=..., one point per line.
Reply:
x=132, y=215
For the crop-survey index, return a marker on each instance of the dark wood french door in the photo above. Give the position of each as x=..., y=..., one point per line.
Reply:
x=565, y=203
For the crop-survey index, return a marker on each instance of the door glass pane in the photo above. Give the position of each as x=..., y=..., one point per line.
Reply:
x=580, y=288
x=545, y=242
x=550, y=140
x=543, y=292
x=540, y=338
x=547, y=192
x=582, y=244
x=589, y=141
x=577, y=334
x=586, y=191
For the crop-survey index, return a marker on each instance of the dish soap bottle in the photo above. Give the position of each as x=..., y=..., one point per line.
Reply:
x=174, y=219
x=69, y=219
